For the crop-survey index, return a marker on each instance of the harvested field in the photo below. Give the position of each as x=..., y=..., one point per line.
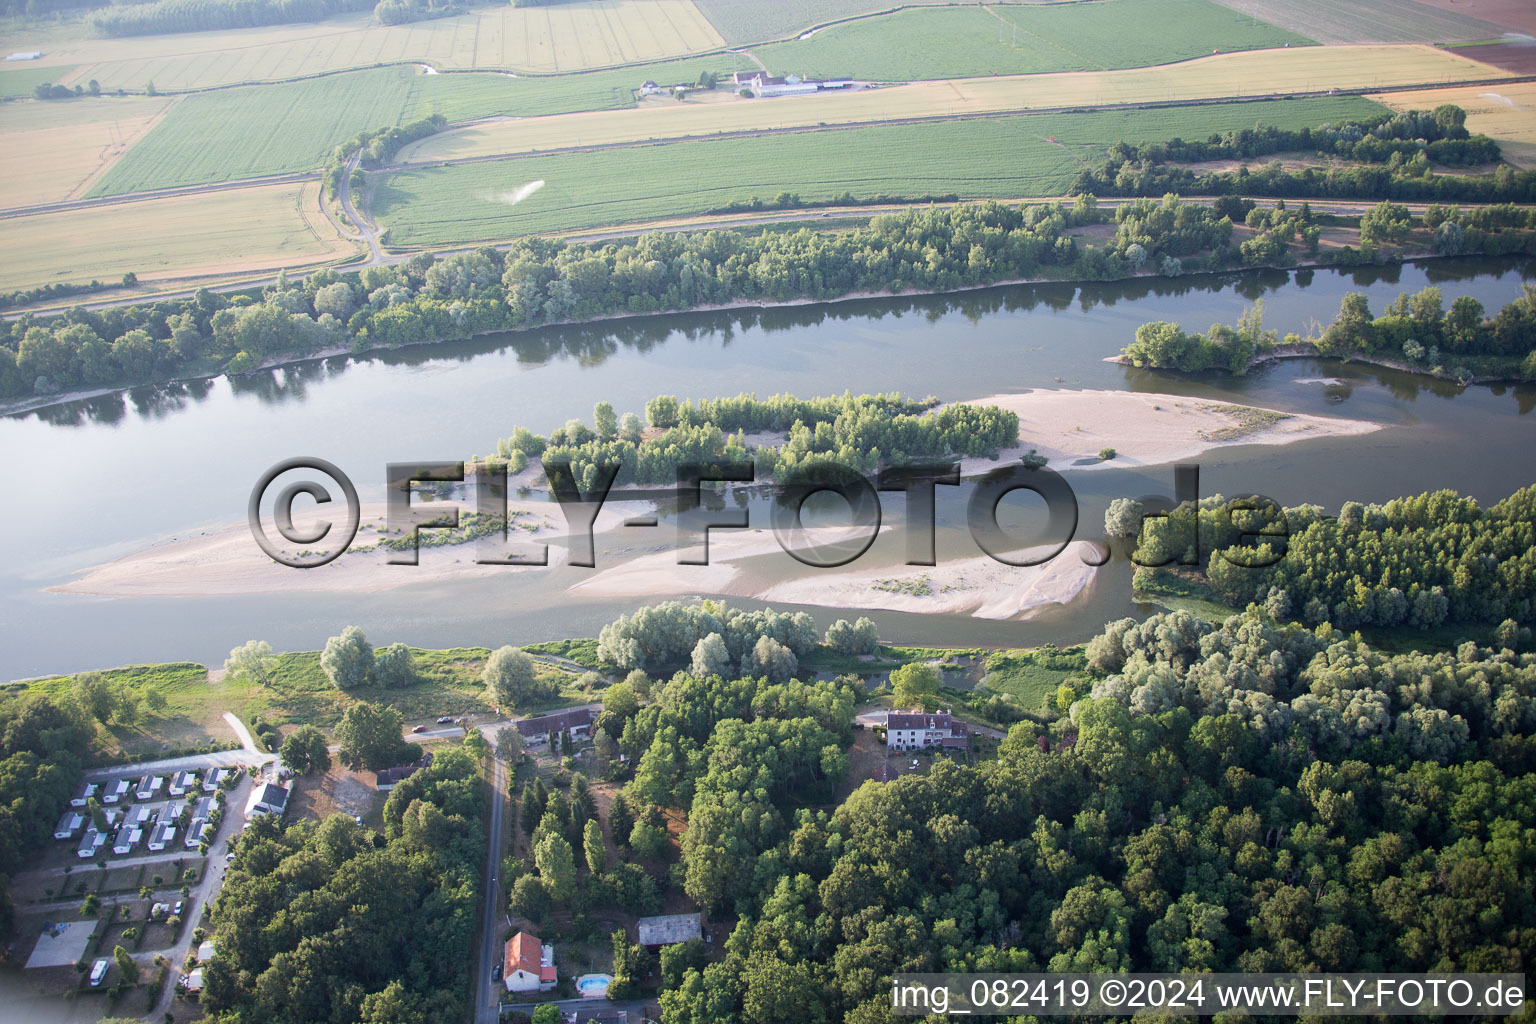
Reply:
x=1519, y=15
x=1519, y=58
x=971, y=42
x=247, y=229
x=1373, y=21
x=1297, y=69
x=566, y=37
x=1506, y=113
x=46, y=161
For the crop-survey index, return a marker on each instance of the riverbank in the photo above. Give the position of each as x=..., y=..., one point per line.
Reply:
x=1284, y=352
x=32, y=404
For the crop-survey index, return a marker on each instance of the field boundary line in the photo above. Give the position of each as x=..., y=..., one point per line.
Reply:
x=159, y=193
x=745, y=133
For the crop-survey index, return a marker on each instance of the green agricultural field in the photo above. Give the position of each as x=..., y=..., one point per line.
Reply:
x=465, y=97
x=292, y=126
x=972, y=42
x=1003, y=157
x=259, y=129
x=758, y=21
x=21, y=81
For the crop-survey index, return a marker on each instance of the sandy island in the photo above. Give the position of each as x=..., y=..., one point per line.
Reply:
x=1068, y=427
x=1072, y=427
x=227, y=561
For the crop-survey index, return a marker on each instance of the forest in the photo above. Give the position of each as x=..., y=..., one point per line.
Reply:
x=542, y=281
x=330, y=921
x=1422, y=561
x=862, y=432
x=1247, y=795
x=1393, y=154
x=44, y=744
x=1416, y=331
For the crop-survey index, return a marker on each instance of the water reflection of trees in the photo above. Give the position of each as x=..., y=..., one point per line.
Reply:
x=592, y=344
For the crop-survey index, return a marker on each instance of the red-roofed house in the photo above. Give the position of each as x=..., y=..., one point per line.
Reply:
x=918, y=730
x=529, y=966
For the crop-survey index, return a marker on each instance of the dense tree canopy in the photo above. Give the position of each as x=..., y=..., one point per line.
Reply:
x=322, y=922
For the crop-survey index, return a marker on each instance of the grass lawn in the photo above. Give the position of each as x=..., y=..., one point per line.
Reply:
x=971, y=42
x=1006, y=157
x=1032, y=677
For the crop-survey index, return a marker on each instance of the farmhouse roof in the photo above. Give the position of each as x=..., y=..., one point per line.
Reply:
x=664, y=931
x=921, y=720
x=574, y=718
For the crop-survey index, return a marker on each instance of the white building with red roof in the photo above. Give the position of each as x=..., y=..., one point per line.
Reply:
x=529, y=965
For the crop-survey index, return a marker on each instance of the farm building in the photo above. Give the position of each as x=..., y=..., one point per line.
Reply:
x=389, y=778
x=763, y=84
x=267, y=798
x=68, y=825
x=576, y=721
x=529, y=965
x=649, y=88
x=655, y=932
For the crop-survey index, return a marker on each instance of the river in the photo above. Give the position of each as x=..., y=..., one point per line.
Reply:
x=92, y=480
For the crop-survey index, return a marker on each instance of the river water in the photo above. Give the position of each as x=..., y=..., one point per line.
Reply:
x=93, y=480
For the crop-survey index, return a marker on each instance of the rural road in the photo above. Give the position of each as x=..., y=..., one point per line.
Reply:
x=487, y=1000
x=361, y=221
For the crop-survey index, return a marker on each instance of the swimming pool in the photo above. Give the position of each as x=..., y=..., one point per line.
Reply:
x=593, y=986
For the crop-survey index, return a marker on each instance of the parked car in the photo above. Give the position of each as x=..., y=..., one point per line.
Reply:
x=495, y=972
x=177, y=908
x=99, y=972
x=419, y=728
x=445, y=720
x=229, y=856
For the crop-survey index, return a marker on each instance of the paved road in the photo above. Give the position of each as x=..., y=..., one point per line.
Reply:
x=487, y=998
x=360, y=220
x=207, y=889
x=192, y=762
